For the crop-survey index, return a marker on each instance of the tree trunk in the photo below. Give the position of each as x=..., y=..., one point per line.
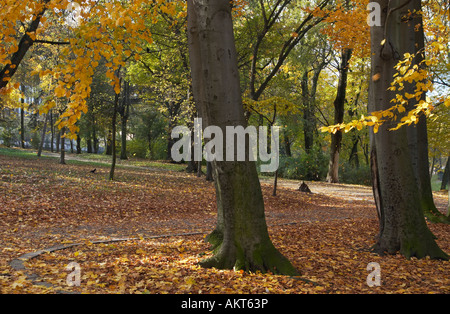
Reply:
x=24, y=45
x=125, y=113
x=22, y=118
x=41, y=144
x=62, y=157
x=446, y=175
x=89, y=144
x=354, y=159
x=287, y=143
x=58, y=141
x=336, y=138
x=113, y=138
x=402, y=223
x=78, y=144
x=94, y=136
x=52, y=131
x=418, y=136
x=308, y=114
x=275, y=183
x=241, y=239
x=209, y=172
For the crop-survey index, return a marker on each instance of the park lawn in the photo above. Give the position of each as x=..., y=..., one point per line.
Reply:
x=165, y=216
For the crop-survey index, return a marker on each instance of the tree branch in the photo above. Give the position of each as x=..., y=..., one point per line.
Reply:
x=51, y=42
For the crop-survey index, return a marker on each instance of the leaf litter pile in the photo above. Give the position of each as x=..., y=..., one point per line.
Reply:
x=165, y=215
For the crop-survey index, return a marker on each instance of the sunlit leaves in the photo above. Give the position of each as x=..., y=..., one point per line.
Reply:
x=408, y=106
x=346, y=26
x=113, y=30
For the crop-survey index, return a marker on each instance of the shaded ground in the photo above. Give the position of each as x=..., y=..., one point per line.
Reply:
x=327, y=234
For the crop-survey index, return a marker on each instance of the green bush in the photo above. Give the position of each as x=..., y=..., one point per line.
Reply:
x=308, y=166
x=159, y=150
x=36, y=140
x=351, y=175
x=8, y=137
x=137, y=148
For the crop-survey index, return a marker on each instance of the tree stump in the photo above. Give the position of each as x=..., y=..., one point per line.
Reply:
x=304, y=188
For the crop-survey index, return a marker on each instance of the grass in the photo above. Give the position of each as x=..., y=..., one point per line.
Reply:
x=94, y=160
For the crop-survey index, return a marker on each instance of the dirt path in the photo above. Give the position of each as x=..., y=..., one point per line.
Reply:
x=336, y=190
x=347, y=192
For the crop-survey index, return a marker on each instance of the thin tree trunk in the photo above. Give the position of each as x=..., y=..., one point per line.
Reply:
x=41, y=144
x=209, y=172
x=78, y=144
x=58, y=141
x=22, y=119
x=446, y=175
x=113, y=138
x=24, y=45
x=52, y=130
x=62, y=157
x=275, y=183
x=241, y=239
x=125, y=113
x=336, y=138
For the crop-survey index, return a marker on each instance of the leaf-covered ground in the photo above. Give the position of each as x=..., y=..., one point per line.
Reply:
x=327, y=237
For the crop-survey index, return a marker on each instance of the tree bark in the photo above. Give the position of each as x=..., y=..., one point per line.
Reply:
x=44, y=130
x=446, y=175
x=241, y=239
x=339, y=102
x=125, y=113
x=78, y=144
x=113, y=138
x=402, y=224
x=418, y=136
x=52, y=131
x=22, y=118
x=62, y=156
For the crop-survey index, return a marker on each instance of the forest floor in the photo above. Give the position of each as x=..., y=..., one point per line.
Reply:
x=164, y=215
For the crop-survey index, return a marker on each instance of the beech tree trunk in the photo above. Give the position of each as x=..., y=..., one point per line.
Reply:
x=446, y=175
x=44, y=131
x=22, y=118
x=62, y=156
x=113, y=139
x=339, y=102
x=241, y=239
x=402, y=224
x=124, y=114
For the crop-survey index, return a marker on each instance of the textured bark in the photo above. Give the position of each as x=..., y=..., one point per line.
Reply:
x=339, y=102
x=241, y=239
x=402, y=223
x=124, y=114
x=446, y=175
x=62, y=155
x=113, y=140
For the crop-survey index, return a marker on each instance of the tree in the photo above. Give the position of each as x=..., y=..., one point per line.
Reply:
x=241, y=239
x=402, y=223
x=124, y=111
x=339, y=102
